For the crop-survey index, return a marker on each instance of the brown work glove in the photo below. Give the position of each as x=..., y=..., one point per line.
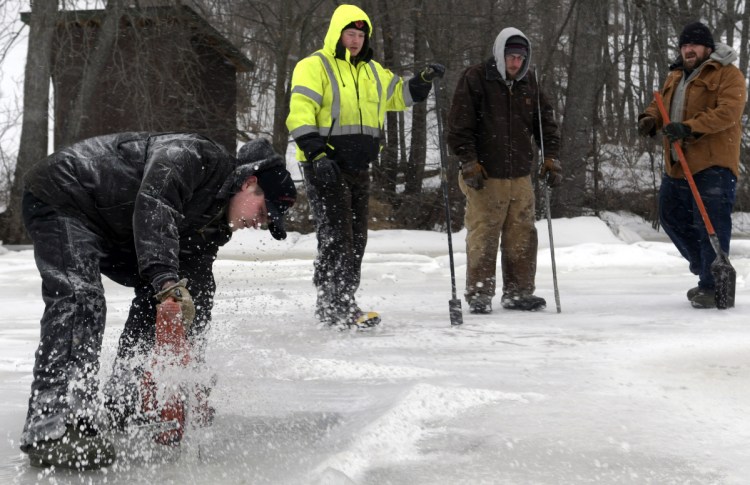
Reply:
x=647, y=126
x=551, y=172
x=179, y=292
x=474, y=174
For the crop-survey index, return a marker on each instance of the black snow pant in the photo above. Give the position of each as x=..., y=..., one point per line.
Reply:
x=340, y=211
x=71, y=257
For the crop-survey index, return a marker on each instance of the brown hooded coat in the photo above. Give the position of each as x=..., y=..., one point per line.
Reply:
x=714, y=102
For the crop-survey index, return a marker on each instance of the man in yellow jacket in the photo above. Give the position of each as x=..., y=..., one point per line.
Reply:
x=340, y=96
x=705, y=96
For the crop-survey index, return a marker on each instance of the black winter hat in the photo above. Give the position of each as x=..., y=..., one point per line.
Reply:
x=258, y=158
x=697, y=33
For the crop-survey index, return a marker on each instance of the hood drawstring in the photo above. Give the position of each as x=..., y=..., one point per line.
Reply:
x=338, y=68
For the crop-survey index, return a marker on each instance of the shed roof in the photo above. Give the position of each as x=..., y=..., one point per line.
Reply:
x=184, y=13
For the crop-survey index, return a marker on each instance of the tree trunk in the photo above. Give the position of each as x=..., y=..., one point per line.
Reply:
x=34, y=138
x=106, y=38
x=386, y=171
x=418, y=150
x=282, y=81
x=744, y=48
x=585, y=78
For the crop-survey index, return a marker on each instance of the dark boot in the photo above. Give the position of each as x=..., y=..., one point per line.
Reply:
x=527, y=303
x=480, y=304
x=704, y=298
x=80, y=448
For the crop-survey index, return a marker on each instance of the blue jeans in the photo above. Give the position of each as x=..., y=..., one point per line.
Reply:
x=684, y=225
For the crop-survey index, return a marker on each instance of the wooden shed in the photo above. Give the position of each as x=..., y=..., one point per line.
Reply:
x=168, y=69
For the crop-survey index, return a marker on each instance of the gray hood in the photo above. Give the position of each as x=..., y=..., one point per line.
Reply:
x=724, y=54
x=498, y=50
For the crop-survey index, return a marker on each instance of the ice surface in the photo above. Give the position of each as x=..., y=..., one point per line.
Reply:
x=628, y=385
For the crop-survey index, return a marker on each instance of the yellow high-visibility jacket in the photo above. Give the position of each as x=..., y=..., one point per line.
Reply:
x=338, y=103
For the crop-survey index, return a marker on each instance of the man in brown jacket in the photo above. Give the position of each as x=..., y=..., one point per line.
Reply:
x=705, y=96
x=493, y=117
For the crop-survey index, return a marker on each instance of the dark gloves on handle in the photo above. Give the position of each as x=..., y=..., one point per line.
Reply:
x=179, y=293
x=551, y=172
x=432, y=71
x=676, y=131
x=326, y=170
x=647, y=126
x=474, y=174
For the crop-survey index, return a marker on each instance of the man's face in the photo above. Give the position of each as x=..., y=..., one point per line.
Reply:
x=693, y=55
x=513, y=64
x=353, y=40
x=247, y=208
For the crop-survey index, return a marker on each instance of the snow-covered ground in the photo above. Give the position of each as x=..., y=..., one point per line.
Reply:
x=627, y=385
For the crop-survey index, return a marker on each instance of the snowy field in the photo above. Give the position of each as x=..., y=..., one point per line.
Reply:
x=627, y=385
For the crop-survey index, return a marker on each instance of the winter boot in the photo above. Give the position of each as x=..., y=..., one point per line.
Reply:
x=704, y=298
x=80, y=448
x=354, y=319
x=529, y=303
x=480, y=304
x=692, y=292
x=363, y=320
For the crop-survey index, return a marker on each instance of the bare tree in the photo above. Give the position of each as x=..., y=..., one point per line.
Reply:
x=585, y=79
x=92, y=70
x=281, y=31
x=33, y=146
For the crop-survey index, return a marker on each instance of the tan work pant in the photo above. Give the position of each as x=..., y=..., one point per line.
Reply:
x=502, y=212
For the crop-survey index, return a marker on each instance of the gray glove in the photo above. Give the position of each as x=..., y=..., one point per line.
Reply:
x=179, y=293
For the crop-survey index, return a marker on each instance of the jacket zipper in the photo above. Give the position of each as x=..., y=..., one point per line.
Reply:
x=356, y=89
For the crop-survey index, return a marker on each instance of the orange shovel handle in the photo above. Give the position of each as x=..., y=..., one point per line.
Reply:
x=685, y=168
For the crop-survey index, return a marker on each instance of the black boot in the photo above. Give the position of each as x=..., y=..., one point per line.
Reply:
x=527, y=303
x=80, y=448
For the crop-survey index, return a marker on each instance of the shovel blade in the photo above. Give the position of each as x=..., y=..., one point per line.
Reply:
x=725, y=278
x=454, y=310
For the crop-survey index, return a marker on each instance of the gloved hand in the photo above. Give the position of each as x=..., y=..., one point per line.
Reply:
x=432, y=71
x=326, y=170
x=179, y=293
x=676, y=131
x=551, y=172
x=647, y=126
x=474, y=174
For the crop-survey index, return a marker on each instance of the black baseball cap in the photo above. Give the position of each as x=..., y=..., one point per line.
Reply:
x=280, y=194
x=258, y=158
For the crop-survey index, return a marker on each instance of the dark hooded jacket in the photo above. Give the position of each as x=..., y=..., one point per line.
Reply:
x=493, y=121
x=161, y=194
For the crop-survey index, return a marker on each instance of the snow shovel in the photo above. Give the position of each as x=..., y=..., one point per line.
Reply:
x=725, y=277
x=454, y=304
